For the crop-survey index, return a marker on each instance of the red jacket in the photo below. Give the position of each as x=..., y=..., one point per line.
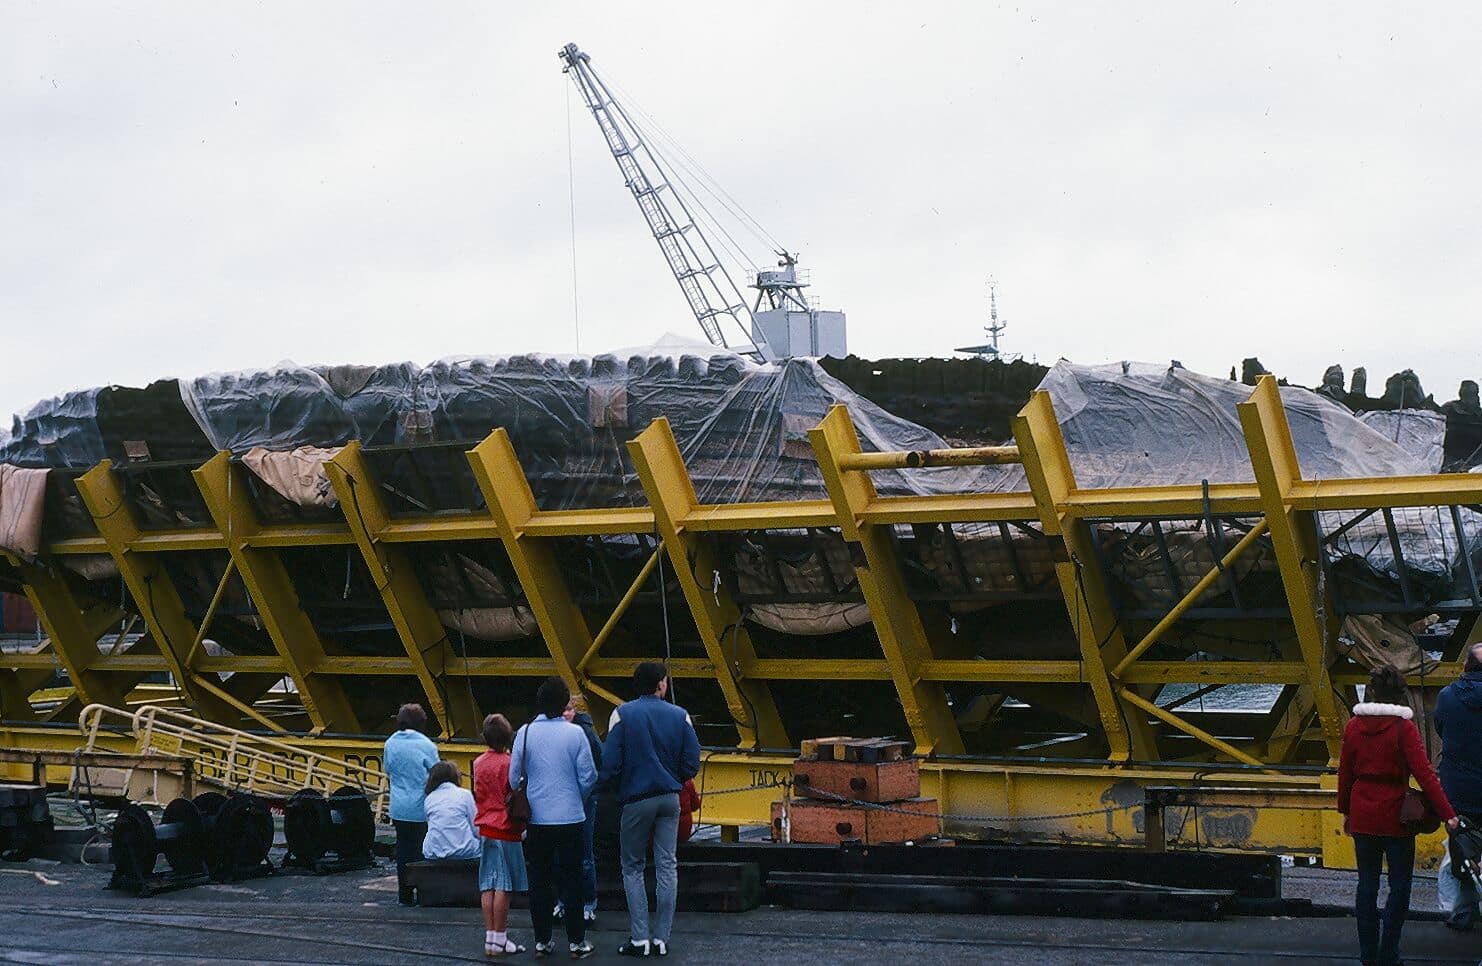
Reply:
x=1381, y=750
x=490, y=791
x=689, y=800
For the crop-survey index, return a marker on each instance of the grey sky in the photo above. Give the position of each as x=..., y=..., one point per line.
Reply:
x=193, y=187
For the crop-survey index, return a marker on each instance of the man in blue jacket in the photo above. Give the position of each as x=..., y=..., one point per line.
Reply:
x=1458, y=720
x=651, y=751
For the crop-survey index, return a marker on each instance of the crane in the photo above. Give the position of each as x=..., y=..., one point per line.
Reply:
x=782, y=323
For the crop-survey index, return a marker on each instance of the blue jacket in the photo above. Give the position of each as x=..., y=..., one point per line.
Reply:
x=652, y=750
x=1458, y=719
x=553, y=756
x=408, y=757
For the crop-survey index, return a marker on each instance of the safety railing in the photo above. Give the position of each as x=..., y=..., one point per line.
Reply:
x=232, y=759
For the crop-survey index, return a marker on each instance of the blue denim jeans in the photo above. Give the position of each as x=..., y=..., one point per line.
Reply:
x=657, y=818
x=1379, y=941
x=588, y=861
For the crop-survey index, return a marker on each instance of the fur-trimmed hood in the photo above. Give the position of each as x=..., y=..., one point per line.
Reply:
x=1375, y=709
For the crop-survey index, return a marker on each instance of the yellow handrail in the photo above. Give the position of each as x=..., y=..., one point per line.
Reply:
x=238, y=759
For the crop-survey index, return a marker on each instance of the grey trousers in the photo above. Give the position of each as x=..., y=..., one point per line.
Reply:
x=657, y=817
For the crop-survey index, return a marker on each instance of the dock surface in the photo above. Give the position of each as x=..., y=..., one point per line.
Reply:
x=61, y=914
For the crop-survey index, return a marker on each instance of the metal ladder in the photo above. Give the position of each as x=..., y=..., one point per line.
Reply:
x=230, y=759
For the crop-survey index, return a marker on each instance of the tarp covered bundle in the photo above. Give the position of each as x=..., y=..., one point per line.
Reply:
x=742, y=430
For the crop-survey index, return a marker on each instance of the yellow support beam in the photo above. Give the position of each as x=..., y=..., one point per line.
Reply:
x=671, y=494
x=1051, y=481
x=562, y=625
x=1273, y=456
x=1190, y=599
x=417, y=624
x=300, y=650
x=150, y=585
x=896, y=620
x=73, y=625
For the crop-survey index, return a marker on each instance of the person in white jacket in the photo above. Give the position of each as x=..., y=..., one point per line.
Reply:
x=450, y=813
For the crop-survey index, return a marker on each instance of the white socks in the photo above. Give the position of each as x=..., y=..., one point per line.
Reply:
x=494, y=939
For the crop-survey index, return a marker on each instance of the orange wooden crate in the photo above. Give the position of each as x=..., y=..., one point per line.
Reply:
x=828, y=823
x=884, y=781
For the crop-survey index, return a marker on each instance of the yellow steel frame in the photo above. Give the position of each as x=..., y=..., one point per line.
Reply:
x=1117, y=664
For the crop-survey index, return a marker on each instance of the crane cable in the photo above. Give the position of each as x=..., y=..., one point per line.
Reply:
x=711, y=185
x=571, y=208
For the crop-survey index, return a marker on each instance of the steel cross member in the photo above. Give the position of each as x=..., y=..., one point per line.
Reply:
x=902, y=636
x=417, y=624
x=563, y=626
x=267, y=581
x=671, y=493
x=1051, y=481
x=1273, y=456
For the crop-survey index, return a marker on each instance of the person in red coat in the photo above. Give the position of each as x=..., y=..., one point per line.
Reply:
x=1381, y=751
x=689, y=801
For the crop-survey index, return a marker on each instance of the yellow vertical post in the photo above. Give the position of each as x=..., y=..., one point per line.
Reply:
x=671, y=493
x=897, y=622
x=1051, y=480
x=1273, y=457
x=416, y=621
x=512, y=503
x=150, y=585
x=271, y=589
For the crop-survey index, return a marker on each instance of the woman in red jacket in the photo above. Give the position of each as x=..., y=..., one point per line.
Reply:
x=1381, y=751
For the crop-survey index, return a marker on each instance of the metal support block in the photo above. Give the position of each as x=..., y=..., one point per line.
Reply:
x=267, y=582
x=416, y=622
x=671, y=493
x=897, y=622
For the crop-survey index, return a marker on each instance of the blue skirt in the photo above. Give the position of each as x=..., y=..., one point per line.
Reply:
x=502, y=867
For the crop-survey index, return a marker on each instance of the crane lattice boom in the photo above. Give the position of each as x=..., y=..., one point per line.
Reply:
x=712, y=294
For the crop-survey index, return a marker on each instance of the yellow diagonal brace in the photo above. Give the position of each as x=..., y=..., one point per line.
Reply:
x=671, y=493
x=610, y=625
x=73, y=623
x=562, y=624
x=267, y=581
x=1051, y=481
x=1273, y=457
x=1169, y=718
x=897, y=622
x=1188, y=600
x=416, y=622
x=150, y=585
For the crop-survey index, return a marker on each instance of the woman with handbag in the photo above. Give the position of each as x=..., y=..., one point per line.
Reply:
x=551, y=774
x=502, y=861
x=1381, y=751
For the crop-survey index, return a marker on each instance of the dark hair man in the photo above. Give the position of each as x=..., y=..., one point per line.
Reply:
x=650, y=753
x=552, y=757
x=407, y=757
x=1458, y=720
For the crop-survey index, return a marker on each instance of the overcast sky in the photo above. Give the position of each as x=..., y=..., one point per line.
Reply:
x=189, y=187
